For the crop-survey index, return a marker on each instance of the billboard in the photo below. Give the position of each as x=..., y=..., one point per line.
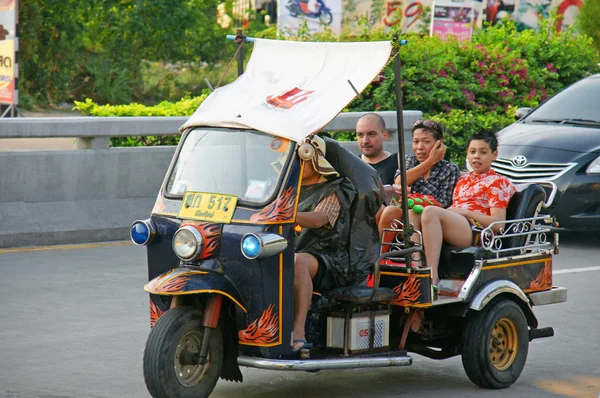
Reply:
x=417, y=15
x=8, y=48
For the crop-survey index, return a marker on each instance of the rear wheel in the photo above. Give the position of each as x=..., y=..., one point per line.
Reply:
x=170, y=357
x=495, y=344
x=325, y=17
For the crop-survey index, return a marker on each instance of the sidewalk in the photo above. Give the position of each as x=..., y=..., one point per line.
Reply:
x=39, y=144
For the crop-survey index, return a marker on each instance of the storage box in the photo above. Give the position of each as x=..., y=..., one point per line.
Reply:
x=359, y=330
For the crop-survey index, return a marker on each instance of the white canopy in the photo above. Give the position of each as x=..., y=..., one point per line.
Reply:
x=293, y=89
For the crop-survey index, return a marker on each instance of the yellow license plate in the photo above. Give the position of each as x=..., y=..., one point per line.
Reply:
x=203, y=206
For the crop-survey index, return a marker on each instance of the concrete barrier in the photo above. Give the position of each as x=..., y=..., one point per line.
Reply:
x=95, y=193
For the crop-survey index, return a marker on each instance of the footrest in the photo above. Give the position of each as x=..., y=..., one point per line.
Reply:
x=360, y=294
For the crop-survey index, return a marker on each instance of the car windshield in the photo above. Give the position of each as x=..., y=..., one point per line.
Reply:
x=578, y=104
x=243, y=163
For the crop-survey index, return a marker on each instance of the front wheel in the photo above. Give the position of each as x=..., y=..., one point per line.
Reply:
x=325, y=17
x=170, y=356
x=495, y=344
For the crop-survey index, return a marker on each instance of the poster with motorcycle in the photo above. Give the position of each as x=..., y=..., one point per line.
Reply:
x=318, y=14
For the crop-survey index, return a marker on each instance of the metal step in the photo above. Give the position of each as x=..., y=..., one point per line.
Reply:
x=324, y=364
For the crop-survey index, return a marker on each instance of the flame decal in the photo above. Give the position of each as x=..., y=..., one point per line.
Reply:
x=174, y=285
x=263, y=330
x=155, y=313
x=408, y=292
x=278, y=211
x=211, y=234
x=543, y=280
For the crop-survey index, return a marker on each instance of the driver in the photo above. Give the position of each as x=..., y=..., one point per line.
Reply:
x=322, y=261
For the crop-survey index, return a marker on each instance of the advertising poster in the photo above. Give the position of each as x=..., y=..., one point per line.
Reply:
x=7, y=76
x=7, y=51
x=317, y=13
x=530, y=12
x=499, y=9
x=452, y=19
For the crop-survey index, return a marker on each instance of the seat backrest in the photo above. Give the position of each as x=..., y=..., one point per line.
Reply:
x=364, y=236
x=525, y=203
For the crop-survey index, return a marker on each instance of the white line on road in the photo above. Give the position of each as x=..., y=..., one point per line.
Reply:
x=574, y=270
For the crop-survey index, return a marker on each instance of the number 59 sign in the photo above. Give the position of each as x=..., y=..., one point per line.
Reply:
x=397, y=13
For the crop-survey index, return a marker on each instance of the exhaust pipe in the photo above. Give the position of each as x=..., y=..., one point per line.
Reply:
x=540, y=333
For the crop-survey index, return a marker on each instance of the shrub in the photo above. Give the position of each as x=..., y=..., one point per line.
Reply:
x=185, y=107
x=465, y=85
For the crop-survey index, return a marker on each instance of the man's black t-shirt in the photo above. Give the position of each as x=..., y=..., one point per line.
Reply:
x=387, y=168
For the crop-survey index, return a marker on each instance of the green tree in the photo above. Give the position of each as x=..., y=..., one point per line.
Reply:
x=49, y=48
x=588, y=20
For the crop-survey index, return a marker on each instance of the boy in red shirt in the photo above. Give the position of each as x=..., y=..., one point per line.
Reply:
x=480, y=198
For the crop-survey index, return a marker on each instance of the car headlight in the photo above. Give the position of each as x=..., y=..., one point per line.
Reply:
x=594, y=167
x=187, y=243
x=142, y=232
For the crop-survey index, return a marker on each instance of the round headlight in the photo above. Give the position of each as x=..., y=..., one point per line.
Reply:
x=142, y=232
x=187, y=243
x=251, y=246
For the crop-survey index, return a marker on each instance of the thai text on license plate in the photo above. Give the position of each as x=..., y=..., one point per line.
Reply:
x=205, y=206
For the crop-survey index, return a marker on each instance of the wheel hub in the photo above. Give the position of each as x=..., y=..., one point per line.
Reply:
x=504, y=343
x=187, y=370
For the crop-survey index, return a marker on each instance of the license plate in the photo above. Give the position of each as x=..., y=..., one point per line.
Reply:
x=203, y=206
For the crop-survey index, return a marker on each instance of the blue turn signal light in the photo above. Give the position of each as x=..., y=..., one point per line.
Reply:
x=262, y=244
x=142, y=232
x=250, y=246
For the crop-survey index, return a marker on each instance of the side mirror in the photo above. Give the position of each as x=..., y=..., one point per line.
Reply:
x=521, y=113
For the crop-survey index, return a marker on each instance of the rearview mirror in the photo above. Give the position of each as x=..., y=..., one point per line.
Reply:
x=521, y=113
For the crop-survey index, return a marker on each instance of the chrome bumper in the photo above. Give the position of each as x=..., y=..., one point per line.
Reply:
x=554, y=295
x=323, y=364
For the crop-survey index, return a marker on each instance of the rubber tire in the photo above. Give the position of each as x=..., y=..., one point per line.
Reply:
x=326, y=17
x=159, y=354
x=476, y=340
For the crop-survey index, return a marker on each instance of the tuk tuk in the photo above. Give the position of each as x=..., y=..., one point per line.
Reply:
x=220, y=244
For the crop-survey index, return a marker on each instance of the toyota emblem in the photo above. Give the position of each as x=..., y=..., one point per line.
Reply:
x=519, y=161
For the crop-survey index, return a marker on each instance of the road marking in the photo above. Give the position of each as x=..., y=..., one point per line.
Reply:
x=65, y=247
x=576, y=386
x=574, y=270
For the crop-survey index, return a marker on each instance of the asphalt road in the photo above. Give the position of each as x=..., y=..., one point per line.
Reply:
x=74, y=320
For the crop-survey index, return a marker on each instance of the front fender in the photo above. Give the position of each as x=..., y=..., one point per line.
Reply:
x=181, y=281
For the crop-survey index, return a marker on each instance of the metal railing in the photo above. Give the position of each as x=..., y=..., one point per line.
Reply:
x=95, y=132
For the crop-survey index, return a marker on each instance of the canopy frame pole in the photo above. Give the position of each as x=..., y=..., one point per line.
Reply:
x=407, y=228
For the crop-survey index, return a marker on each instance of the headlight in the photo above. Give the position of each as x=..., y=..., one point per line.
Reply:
x=262, y=245
x=594, y=167
x=187, y=243
x=142, y=232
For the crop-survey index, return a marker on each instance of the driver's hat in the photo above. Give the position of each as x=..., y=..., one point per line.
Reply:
x=321, y=165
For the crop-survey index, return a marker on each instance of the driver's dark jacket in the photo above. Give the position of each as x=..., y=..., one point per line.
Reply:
x=330, y=246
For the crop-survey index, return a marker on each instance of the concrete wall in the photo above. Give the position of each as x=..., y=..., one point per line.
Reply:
x=76, y=196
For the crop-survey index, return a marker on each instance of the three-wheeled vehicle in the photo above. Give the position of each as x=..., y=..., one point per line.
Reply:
x=220, y=244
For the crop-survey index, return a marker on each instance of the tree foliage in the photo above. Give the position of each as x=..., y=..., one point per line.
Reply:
x=75, y=49
x=588, y=20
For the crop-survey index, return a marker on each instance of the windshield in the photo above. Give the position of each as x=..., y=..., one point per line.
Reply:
x=579, y=102
x=243, y=163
